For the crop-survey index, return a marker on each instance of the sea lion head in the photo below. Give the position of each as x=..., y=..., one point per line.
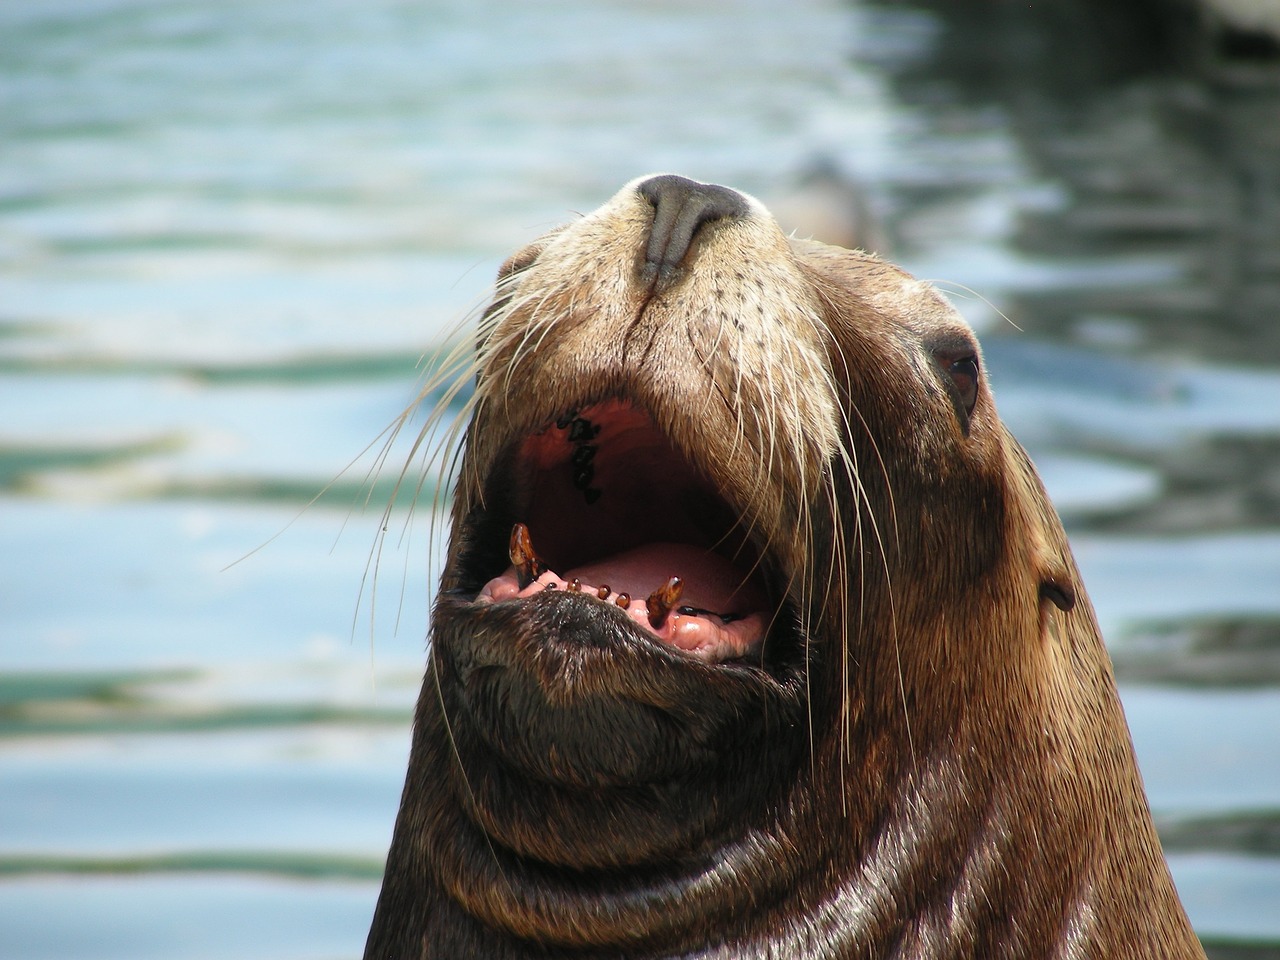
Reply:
x=751, y=603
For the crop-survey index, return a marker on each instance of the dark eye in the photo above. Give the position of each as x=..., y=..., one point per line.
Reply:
x=964, y=374
x=956, y=354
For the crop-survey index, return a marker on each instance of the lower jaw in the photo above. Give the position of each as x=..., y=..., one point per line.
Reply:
x=694, y=631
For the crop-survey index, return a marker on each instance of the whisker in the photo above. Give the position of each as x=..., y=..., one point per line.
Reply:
x=954, y=285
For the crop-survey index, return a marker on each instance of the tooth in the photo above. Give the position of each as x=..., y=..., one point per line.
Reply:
x=623, y=600
x=583, y=476
x=575, y=585
x=603, y=591
x=528, y=566
x=662, y=600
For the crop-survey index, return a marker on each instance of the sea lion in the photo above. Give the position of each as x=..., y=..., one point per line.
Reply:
x=758, y=635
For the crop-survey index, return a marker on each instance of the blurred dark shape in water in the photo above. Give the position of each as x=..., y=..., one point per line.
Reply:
x=830, y=204
x=1240, y=29
x=1162, y=133
x=1222, y=482
x=1231, y=651
x=1227, y=949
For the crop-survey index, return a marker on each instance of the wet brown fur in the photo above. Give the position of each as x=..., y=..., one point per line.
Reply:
x=940, y=769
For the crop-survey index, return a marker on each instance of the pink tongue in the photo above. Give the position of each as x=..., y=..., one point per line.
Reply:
x=710, y=581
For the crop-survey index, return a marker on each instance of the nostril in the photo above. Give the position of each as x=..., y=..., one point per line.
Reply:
x=680, y=208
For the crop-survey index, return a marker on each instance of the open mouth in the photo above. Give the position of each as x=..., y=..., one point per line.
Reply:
x=606, y=507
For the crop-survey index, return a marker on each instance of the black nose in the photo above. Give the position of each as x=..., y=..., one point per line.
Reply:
x=680, y=208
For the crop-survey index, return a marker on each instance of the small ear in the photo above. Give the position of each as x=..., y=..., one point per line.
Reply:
x=1058, y=592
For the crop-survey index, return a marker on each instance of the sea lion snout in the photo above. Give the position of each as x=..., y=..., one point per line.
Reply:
x=680, y=208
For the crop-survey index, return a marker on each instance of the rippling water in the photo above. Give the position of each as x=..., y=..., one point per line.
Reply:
x=231, y=235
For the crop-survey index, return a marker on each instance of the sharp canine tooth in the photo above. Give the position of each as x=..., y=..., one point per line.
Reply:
x=662, y=600
x=528, y=566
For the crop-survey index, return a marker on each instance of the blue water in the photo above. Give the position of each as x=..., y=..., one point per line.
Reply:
x=232, y=235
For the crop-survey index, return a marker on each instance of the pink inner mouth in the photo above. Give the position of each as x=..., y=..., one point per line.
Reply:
x=612, y=509
x=728, y=622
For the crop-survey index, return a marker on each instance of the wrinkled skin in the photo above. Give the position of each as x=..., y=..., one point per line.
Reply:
x=878, y=720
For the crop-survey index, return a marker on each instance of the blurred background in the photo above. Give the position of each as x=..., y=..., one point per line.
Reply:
x=233, y=234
